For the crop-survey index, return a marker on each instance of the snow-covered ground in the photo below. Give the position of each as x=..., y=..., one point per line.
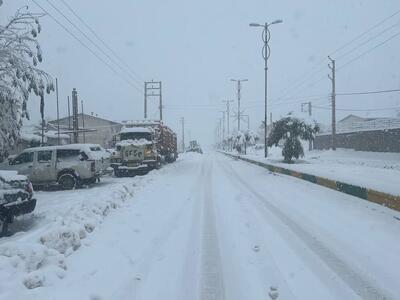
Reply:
x=375, y=170
x=205, y=227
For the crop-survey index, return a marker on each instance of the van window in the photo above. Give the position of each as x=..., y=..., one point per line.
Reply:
x=23, y=158
x=44, y=156
x=67, y=154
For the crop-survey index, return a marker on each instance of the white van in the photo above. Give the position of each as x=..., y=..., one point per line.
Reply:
x=68, y=165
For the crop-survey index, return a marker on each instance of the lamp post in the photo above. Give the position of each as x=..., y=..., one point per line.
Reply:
x=266, y=53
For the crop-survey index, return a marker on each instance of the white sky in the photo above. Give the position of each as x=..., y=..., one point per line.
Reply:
x=196, y=47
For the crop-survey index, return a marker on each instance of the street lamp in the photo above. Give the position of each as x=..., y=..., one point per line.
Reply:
x=266, y=53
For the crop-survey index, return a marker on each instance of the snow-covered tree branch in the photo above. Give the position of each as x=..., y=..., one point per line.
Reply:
x=20, y=54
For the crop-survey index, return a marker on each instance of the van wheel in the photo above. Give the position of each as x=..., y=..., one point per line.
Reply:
x=67, y=181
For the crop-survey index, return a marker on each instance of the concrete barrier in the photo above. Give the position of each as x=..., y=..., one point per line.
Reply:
x=381, y=198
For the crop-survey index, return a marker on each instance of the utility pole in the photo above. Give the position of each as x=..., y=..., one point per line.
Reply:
x=153, y=89
x=58, y=115
x=332, y=77
x=308, y=109
x=75, y=124
x=223, y=124
x=239, y=86
x=228, y=114
x=183, y=134
x=83, y=123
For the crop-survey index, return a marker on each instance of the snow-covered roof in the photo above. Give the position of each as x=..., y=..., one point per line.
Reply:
x=139, y=142
x=54, y=135
x=142, y=122
x=29, y=137
x=366, y=125
x=136, y=129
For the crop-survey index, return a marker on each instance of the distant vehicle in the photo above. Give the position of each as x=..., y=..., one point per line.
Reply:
x=142, y=146
x=69, y=165
x=16, y=198
x=194, y=147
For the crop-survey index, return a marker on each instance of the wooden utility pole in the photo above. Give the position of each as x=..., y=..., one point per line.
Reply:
x=83, y=123
x=75, y=124
x=183, y=134
x=153, y=89
x=332, y=77
x=308, y=109
x=228, y=114
x=58, y=115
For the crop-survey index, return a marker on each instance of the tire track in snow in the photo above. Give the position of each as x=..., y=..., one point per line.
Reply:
x=366, y=288
x=212, y=286
x=144, y=262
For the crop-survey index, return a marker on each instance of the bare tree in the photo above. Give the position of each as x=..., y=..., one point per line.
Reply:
x=20, y=54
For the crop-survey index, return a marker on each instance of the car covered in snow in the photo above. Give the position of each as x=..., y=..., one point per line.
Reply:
x=16, y=198
x=69, y=165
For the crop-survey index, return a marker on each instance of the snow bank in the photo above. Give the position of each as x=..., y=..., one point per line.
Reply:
x=39, y=258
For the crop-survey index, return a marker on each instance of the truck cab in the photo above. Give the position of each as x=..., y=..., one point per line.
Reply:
x=135, y=152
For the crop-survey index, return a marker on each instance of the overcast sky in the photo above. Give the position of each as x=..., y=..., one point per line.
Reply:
x=196, y=47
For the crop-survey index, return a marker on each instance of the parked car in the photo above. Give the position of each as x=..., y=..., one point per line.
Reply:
x=16, y=198
x=68, y=165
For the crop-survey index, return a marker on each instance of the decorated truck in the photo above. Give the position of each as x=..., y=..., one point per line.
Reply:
x=141, y=146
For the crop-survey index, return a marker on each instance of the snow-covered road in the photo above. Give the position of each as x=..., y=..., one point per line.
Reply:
x=209, y=227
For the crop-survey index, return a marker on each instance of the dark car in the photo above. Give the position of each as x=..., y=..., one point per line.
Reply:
x=16, y=198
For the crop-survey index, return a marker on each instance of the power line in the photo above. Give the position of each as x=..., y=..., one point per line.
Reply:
x=311, y=74
x=365, y=32
x=84, y=45
x=88, y=38
x=368, y=40
x=369, y=50
x=351, y=109
x=102, y=41
x=369, y=93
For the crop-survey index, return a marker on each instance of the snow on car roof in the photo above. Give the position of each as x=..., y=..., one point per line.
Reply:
x=82, y=147
x=11, y=175
x=136, y=129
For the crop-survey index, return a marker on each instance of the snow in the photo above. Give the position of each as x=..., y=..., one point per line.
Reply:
x=11, y=175
x=366, y=125
x=136, y=129
x=374, y=170
x=30, y=137
x=54, y=135
x=204, y=226
x=139, y=142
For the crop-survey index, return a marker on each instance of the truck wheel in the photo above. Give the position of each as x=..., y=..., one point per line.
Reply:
x=118, y=173
x=67, y=181
x=3, y=227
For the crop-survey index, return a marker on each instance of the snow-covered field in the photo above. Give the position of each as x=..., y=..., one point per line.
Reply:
x=205, y=227
x=375, y=170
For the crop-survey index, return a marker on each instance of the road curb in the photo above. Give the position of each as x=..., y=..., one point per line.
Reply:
x=371, y=195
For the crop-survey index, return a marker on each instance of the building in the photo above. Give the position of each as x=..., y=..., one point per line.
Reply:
x=353, y=123
x=363, y=134
x=92, y=129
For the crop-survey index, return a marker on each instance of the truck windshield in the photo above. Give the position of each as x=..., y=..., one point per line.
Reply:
x=135, y=136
